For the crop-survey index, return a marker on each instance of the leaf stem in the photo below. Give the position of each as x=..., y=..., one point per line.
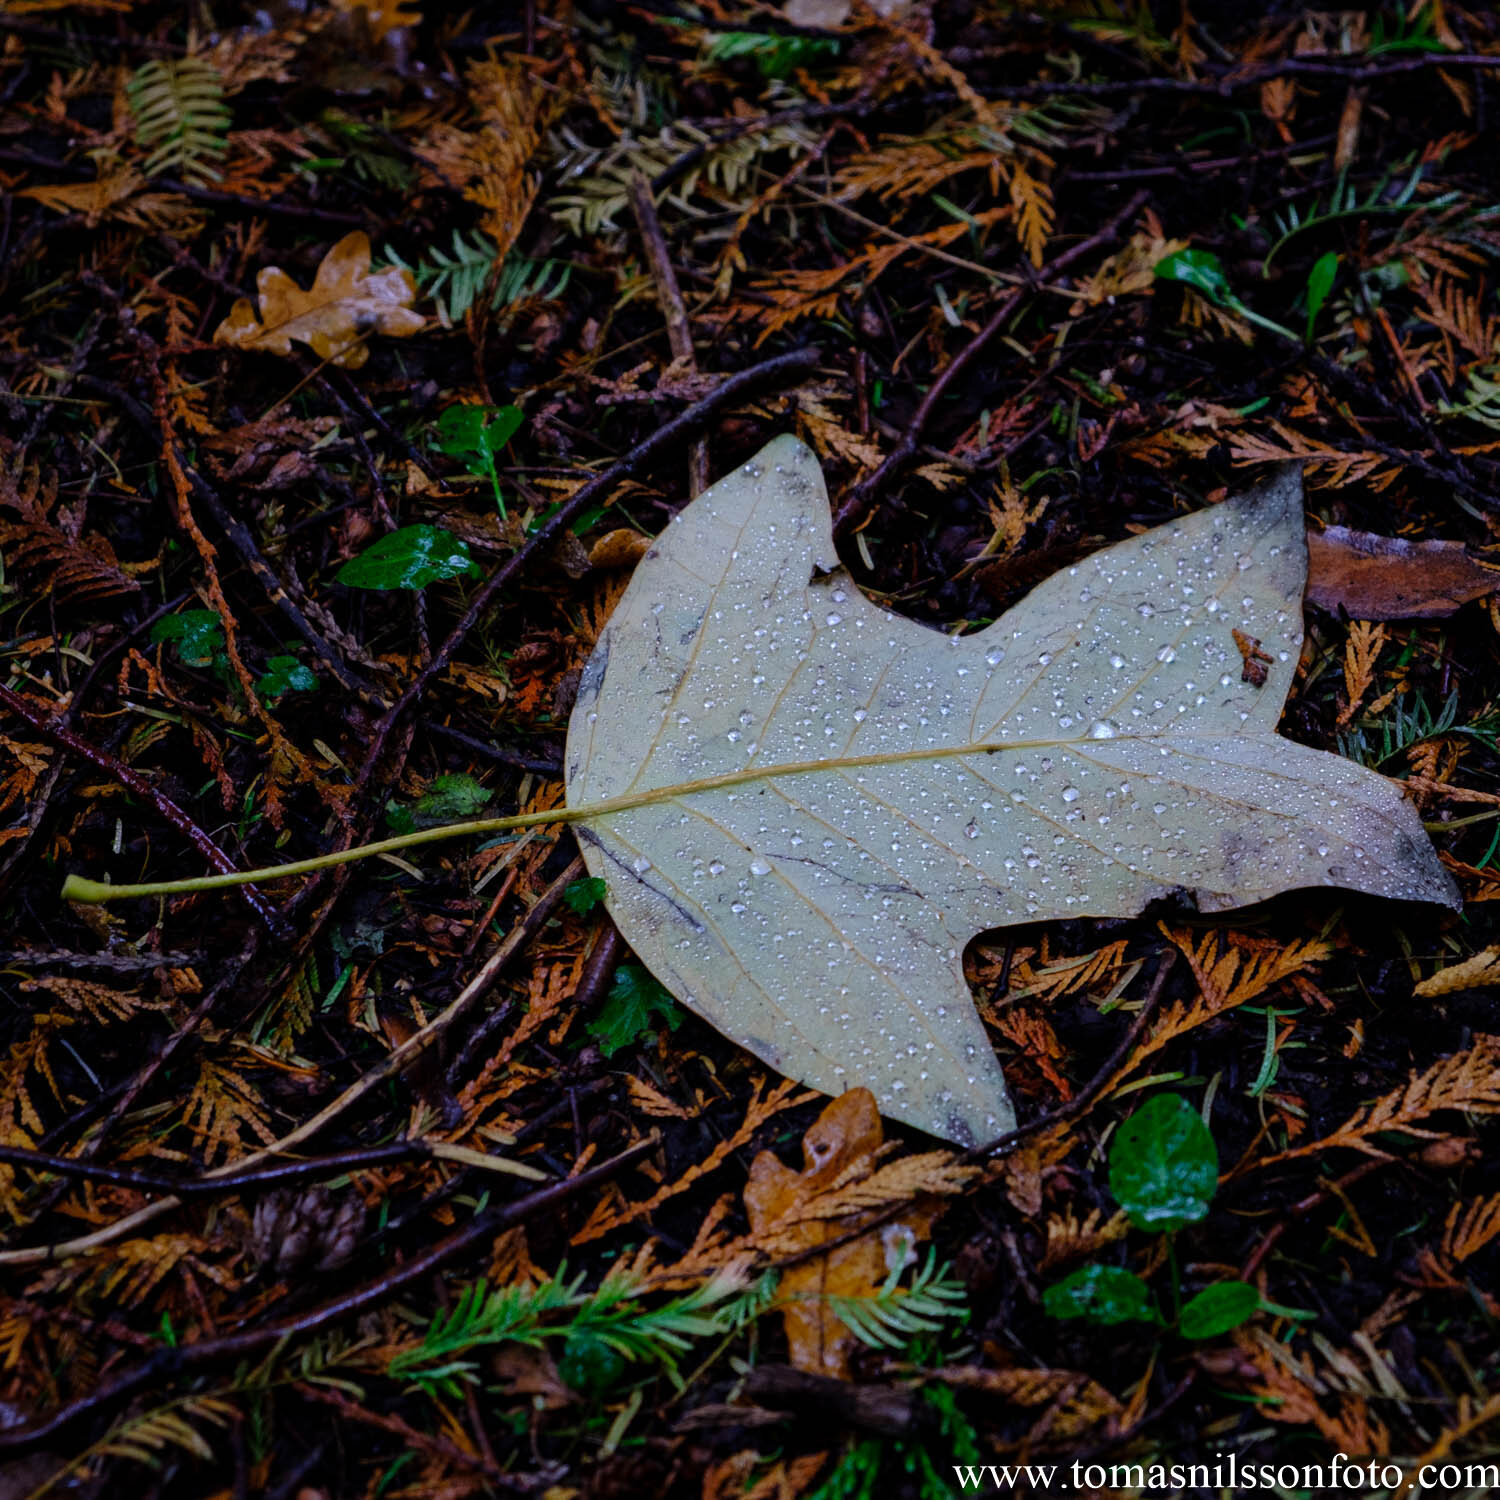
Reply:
x=78, y=888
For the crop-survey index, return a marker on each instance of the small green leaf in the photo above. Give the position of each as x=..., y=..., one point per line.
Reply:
x=1102, y=1294
x=1204, y=272
x=197, y=634
x=1200, y=269
x=1217, y=1309
x=635, y=1001
x=1163, y=1165
x=285, y=674
x=480, y=431
x=775, y=55
x=588, y=1365
x=1319, y=283
x=410, y=558
x=584, y=895
x=449, y=799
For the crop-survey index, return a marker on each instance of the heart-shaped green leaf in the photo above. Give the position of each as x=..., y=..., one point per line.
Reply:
x=1164, y=1165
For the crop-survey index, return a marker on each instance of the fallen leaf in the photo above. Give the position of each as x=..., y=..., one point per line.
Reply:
x=1389, y=578
x=622, y=548
x=838, y=1150
x=347, y=302
x=818, y=803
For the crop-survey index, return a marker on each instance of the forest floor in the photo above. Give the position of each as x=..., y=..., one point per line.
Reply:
x=406, y=1178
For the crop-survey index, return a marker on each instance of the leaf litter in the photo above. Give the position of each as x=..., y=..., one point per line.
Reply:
x=974, y=217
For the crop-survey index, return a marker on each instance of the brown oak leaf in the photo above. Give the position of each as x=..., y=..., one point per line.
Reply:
x=783, y=1204
x=347, y=303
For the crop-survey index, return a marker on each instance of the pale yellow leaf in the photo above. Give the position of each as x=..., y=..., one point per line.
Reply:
x=805, y=806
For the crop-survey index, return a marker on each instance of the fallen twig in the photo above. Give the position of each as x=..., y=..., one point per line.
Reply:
x=64, y=738
x=864, y=494
x=394, y=1062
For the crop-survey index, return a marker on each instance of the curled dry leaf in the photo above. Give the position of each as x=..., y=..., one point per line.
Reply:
x=1389, y=578
x=838, y=1151
x=346, y=304
x=805, y=806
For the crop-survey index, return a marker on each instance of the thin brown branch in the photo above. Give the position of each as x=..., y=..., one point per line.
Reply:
x=669, y=295
x=60, y=735
x=863, y=496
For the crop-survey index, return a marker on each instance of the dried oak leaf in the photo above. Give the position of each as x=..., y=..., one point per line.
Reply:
x=784, y=1205
x=346, y=304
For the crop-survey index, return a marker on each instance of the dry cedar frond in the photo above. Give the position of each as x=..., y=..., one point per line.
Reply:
x=100, y=1002
x=1447, y=306
x=117, y=196
x=1032, y=1035
x=1231, y=969
x=1468, y=1080
x=1480, y=969
x=49, y=545
x=935, y=1173
x=222, y=1108
x=914, y=167
x=1070, y=1239
x=830, y=438
x=1067, y=976
x=1325, y=466
x=1469, y=1227
x=763, y=1106
x=813, y=291
x=1128, y=272
x=129, y=1271
x=1361, y=649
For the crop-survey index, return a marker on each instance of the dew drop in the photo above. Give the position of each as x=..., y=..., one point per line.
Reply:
x=759, y=867
x=640, y=864
x=1166, y=654
x=1103, y=729
x=1070, y=794
x=716, y=867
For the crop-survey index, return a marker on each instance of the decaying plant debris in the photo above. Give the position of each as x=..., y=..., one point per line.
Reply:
x=350, y=356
